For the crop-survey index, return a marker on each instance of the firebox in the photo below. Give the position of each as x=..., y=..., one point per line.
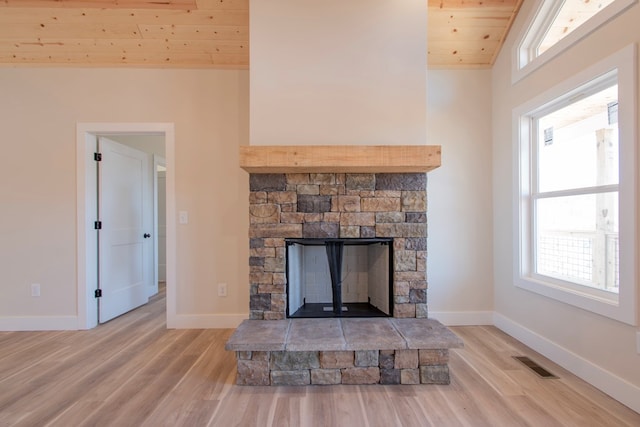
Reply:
x=349, y=277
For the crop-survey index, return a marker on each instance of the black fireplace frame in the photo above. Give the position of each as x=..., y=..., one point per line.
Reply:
x=337, y=305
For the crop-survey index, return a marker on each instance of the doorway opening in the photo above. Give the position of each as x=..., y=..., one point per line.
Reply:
x=156, y=140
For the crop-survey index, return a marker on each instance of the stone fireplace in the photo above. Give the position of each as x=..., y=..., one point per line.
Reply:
x=361, y=83
x=363, y=194
x=337, y=206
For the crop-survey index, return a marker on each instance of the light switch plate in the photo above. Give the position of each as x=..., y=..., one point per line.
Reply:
x=183, y=217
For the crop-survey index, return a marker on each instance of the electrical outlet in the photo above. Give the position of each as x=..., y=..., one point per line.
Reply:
x=222, y=289
x=638, y=341
x=183, y=217
x=35, y=289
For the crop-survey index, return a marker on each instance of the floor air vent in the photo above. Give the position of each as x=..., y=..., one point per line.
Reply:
x=543, y=373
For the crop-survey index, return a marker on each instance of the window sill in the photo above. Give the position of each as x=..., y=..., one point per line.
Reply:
x=604, y=303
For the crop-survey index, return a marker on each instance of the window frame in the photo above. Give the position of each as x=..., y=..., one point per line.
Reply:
x=623, y=306
x=540, y=19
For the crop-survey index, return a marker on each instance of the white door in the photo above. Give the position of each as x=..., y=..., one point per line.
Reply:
x=125, y=246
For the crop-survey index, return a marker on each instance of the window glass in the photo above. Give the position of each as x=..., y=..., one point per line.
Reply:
x=575, y=211
x=578, y=144
x=571, y=14
x=577, y=239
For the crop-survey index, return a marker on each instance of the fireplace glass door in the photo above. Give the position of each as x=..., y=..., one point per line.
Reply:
x=339, y=277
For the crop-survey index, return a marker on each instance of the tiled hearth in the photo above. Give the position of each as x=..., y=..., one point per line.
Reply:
x=342, y=351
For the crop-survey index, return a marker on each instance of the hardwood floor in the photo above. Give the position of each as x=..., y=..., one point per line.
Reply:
x=132, y=371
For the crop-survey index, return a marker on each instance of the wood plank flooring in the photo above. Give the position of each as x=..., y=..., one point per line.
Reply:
x=132, y=371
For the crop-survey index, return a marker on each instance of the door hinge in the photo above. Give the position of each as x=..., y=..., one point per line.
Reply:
x=97, y=157
x=98, y=293
x=97, y=225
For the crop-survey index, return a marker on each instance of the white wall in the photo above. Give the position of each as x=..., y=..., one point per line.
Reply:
x=601, y=350
x=38, y=115
x=459, y=252
x=338, y=72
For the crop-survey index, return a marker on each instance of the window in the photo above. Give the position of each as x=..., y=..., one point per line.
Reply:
x=576, y=185
x=556, y=25
x=575, y=189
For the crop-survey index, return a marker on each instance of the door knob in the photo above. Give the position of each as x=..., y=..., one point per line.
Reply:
x=146, y=235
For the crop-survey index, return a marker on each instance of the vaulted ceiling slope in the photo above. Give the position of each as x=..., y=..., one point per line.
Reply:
x=468, y=34
x=208, y=33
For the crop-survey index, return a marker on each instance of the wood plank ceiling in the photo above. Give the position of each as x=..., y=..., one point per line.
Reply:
x=468, y=34
x=208, y=33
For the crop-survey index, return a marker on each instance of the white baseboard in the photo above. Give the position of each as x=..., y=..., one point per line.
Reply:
x=206, y=321
x=39, y=323
x=616, y=387
x=463, y=318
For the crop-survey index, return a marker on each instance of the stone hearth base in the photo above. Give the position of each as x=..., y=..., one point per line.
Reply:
x=342, y=351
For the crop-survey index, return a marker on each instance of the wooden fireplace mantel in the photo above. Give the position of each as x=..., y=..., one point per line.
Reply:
x=340, y=158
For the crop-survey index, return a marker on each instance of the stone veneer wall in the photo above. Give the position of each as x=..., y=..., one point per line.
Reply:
x=337, y=205
x=343, y=367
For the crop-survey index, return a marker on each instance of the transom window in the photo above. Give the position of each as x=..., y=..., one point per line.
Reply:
x=565, y=16
x=556, y=25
